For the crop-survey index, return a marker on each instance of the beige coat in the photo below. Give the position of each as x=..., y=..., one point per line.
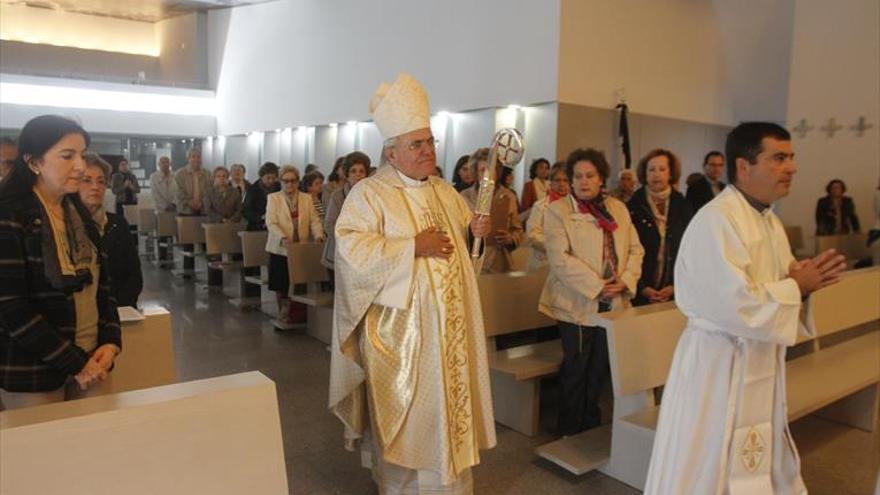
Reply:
x=573, y=242
x=496, y=258
x=279, y=224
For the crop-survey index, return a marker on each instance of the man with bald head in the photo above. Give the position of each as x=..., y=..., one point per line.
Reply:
x=162, y=186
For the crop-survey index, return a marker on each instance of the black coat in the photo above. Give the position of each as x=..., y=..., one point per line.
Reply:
x=701, y=193
x=254, y=208
x=37, y=321
x=825, y=219
x=678, y=218
x=124, y=265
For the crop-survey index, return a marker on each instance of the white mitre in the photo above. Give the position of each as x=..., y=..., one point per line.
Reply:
x=400, y=107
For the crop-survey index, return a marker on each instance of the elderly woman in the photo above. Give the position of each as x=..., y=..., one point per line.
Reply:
x=506, y=224
x=58, y=320
x=290, y=217
x=223, y=202
x=312, y=184
x=355, y=167
x=626, y=185
x=836, y=213
x=559, y=188
x=660, y=214
x=123, y=262
x=536, y=188
x=595, y=262
x=254, y=209
x=239, y=183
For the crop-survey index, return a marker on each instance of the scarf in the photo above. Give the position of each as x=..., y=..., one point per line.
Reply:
x=659, y=204
x=596, y=207
x=553, y=196
x=68, y=271
x=293, y=207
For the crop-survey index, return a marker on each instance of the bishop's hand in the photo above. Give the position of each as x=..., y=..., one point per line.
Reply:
x=481, y=225
x=432, y=243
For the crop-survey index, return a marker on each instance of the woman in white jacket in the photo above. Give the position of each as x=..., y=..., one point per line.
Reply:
x=595, y=262
x=290, y=217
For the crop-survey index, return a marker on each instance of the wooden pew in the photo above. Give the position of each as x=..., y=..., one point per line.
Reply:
x=147, y=358
x=131, y=214
x=795, y=234
x=837, y=378
x=189, y=233
x=221, y=239
x=146, y=229
x=166, y=230
x=853, y=246
x=220, y=436
x=304, y=268
x=510, y=304
x=255, y=259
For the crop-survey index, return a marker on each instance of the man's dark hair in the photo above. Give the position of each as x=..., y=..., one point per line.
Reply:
x=711, y=154
x=592, y=155
x=354, y=158
x=744, y=141
x=268, y=168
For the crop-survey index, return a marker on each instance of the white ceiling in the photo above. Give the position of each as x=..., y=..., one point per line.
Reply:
x=137, y=10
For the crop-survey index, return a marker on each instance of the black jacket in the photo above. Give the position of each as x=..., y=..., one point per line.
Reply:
x=825, y=221
x=700, y=193
x=38, y=322
x=678, y=218
x=254, y=208
x=124, y=265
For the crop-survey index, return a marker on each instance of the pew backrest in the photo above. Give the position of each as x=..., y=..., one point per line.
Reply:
x=166, y=224
x=222, y=238
x=510, y=301
x=253, y=248
x=853, y=246
x=131, y=214
x=189, y=229
x=146, y=220
x=854, y=301
x=304, y=263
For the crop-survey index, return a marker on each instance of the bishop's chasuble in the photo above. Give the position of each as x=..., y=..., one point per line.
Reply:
x=723, y=426
x=409, y=351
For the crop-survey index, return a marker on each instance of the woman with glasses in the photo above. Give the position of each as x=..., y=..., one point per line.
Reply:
x=290, y=217
x=123, y=262
x=595, y=261
x=59, y=330
x=559, y=188
x=355, y=167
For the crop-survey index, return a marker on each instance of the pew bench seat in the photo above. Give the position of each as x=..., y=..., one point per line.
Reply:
x=319, y=299
x=516, y=375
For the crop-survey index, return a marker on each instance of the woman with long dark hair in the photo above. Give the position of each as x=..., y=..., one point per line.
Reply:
x=58, y=322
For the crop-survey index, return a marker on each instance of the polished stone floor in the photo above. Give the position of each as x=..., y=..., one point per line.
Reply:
x=213, y=338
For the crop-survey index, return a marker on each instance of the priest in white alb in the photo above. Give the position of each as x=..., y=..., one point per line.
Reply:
x=409, y=373
x=723, y=426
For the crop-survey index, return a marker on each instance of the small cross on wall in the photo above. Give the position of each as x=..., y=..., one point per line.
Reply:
x=802, y=128
x=831, y=127
x=860, y=127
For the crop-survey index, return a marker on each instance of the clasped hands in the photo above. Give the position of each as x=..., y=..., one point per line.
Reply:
x=816, y=273
x=98, y=366
x=657, y=296
x=434, y=243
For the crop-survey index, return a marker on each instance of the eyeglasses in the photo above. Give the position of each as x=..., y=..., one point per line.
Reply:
x=88, y=181
x=418, y=144
x=290, y=181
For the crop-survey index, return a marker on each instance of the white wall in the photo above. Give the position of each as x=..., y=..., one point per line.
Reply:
x=310, y=62
x=835, y=72
x=707, y=61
